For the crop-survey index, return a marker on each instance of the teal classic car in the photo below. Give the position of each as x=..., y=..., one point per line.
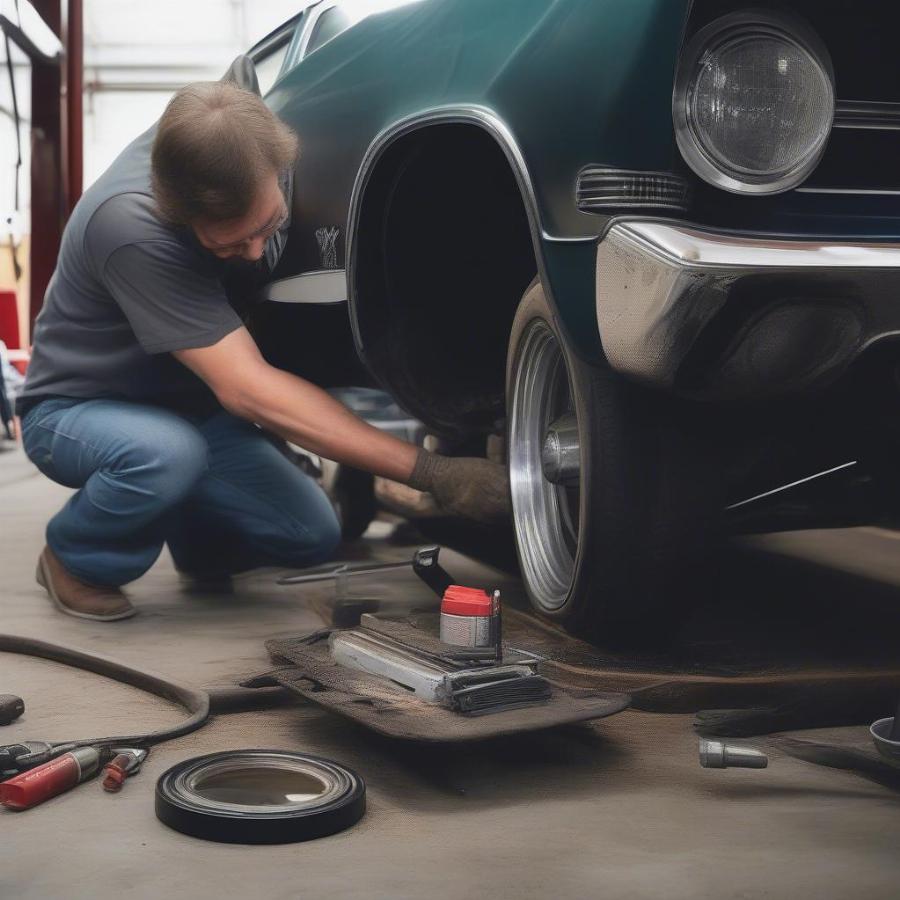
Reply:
x=655, y=242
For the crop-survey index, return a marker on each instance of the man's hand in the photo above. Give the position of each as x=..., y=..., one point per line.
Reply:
x=465, y=486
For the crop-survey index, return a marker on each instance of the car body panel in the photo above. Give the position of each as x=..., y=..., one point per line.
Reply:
x=559, y=84
x=572, y=82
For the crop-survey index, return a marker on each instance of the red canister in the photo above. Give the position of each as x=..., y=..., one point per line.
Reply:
x=466, y=617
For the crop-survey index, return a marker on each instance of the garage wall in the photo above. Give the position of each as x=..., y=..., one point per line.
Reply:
x=137, y=53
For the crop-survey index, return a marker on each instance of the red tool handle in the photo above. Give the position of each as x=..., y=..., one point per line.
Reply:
x=43, y=782
x=40, y=784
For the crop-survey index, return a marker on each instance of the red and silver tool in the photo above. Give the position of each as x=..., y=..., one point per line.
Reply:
x=43, y=782
x=126, y=762
x=468, y=617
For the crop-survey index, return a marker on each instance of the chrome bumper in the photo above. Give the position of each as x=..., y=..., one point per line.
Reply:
x=705, y=313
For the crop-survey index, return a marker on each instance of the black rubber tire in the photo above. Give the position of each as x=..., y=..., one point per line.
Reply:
x=645, y=501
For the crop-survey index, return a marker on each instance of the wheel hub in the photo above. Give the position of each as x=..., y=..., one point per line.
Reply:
x=561, y=452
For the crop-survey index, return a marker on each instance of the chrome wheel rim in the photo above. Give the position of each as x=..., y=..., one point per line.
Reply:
x=545, y=514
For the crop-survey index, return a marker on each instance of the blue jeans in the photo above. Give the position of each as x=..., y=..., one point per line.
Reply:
x=217, y=491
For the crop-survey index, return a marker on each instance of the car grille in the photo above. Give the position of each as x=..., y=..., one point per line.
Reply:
x=863, y=153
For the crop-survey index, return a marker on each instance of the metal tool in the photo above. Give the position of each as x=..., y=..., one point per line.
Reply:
x=718, y=755
x=126, y=762
x=11, y=707
x=30, y=788
x=29, y=754
x=424, y=563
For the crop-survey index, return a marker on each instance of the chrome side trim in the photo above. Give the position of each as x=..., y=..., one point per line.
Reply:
x=867, y=115
x=308, y=27
x=659, y=285
x=554, y=239
x=689, y=248
x=327, y=286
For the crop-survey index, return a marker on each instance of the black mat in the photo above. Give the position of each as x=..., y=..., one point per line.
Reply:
x=309, y=671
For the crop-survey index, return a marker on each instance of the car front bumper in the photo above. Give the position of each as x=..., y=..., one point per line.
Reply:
x=714, y=314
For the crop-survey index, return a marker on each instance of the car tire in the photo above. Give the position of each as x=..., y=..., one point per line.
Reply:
x=604, y=556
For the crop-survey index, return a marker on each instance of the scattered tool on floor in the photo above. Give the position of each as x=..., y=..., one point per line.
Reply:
x=36, y=785
x=126, y=762
x=347, y=607
x=21, y=757
x=424, y=563
x=885, y=735
x=37, y=770
x=11, y=707
x=718, y=755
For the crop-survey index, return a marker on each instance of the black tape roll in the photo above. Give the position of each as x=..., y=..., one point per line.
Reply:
x=259, y=797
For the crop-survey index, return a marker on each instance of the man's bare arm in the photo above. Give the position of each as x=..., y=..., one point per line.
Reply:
x=247, y=386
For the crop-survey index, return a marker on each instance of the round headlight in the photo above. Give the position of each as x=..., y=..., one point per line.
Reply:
x=754, y=103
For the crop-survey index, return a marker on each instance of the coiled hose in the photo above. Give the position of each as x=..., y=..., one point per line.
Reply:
x=196, y=701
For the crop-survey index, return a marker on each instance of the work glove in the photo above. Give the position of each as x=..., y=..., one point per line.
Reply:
x=464, y=486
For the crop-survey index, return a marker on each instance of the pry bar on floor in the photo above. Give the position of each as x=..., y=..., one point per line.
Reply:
x=424, y=563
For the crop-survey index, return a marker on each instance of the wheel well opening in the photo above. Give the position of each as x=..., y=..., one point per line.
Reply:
x=444, y=254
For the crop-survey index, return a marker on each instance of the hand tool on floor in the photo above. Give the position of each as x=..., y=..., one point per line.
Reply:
x=30, y=788
x=424, y=563
x=21, y=757
x=718, y=755
x=11, y=707
x=347, y=608
x=126, y=761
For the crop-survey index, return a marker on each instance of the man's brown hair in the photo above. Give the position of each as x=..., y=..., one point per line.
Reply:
x=214, y=146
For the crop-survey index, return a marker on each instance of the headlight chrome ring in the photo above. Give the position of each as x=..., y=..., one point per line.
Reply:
x=754, y=101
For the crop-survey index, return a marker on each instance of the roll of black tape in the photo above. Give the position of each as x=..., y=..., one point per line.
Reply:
x=259, y=797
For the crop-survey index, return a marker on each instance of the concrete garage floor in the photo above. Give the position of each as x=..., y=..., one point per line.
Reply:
x=617, y=809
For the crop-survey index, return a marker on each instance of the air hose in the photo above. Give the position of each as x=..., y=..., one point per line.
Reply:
x=301, y=797
x=196, y=701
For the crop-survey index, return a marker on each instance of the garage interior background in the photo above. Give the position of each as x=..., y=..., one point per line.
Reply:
x=136, y=54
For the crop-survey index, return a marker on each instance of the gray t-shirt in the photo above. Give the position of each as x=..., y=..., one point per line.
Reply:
x=127, y=290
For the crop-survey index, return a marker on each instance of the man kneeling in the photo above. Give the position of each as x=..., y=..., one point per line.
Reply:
x=145, y=389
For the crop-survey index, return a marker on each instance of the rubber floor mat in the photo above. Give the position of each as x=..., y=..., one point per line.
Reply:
x=305, y=666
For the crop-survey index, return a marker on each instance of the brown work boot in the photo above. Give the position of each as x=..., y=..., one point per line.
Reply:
x=77, y=598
